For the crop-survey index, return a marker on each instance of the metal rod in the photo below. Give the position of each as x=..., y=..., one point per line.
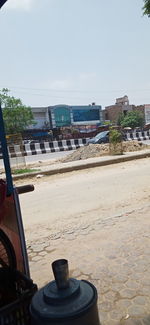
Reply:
x=5, y=155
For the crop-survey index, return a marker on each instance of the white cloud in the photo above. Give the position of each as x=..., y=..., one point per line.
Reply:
x=19, y=4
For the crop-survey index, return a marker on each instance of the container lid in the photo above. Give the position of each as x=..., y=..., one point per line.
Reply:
x=64, y=308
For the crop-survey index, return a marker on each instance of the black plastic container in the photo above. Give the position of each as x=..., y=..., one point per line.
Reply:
x=19, y=291
x=65, y=301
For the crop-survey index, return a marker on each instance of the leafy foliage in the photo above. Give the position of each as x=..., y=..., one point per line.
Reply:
x=120, y=119
x=115, y=142
x=17, y=117
x=115, y=137
x=133, y=119
x=146, y=8
x=107, y=123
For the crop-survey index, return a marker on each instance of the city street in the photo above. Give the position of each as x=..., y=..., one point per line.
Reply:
x=99, y=219
x=110, y=190
x=47, y=156
x=75, y=75
x=146, y=142
x=43, y=157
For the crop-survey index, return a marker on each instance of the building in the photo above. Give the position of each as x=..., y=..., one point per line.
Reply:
x=112, y=112
x=41, y=117
x=61, y=116
x=147, y=113
x=64, y=115
x=145, y=110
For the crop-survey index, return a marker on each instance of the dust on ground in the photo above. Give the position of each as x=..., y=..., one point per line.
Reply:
x=99, y=220
x=98, y=150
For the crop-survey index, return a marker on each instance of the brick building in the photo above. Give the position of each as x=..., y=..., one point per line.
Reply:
x=112, y=112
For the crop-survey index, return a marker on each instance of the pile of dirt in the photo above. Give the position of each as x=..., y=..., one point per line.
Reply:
x=98, y=150
x=129, y=146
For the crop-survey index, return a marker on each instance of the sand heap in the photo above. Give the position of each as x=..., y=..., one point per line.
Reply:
x=97, y=150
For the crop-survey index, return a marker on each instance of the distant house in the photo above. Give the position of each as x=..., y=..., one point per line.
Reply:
x=112, y=112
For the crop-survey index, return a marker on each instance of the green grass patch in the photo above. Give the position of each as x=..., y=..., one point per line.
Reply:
x=23, y=171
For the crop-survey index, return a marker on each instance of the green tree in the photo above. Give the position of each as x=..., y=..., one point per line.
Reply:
x=146, y=8
x=120, y=118
x=133, y=119
x=17, y=117
x=115, y=136
x=115, y=142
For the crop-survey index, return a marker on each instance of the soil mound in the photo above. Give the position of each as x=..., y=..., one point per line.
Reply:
x=98, y=150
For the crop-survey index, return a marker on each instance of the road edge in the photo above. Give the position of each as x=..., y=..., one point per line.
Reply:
x=78, y=165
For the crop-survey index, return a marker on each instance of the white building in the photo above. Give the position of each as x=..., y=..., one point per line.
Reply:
x=147, y=113
x=41, y=117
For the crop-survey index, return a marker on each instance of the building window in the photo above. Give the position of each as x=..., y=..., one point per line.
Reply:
x=62, y=116
x=80, y=115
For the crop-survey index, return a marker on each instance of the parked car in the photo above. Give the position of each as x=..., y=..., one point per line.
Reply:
x=102, y=137
x=30, y=141
x=26, y=141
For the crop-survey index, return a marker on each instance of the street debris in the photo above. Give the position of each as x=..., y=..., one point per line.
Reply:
x=39, y=176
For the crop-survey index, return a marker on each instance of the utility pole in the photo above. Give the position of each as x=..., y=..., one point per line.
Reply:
x=2, y=3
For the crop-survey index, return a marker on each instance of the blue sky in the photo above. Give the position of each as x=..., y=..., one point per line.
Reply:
x=75, y=51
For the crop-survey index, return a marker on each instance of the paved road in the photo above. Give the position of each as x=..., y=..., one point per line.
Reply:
x=47, y=156
x=42, y=157
x=110, y=190
x=99, y=219
x=146, y=142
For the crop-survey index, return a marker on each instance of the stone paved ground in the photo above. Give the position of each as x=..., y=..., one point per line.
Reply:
x=114, y=254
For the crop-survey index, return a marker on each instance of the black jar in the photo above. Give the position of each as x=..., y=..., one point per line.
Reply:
x=65, y=301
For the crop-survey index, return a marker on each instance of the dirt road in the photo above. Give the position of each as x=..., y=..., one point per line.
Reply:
x=63, y=201
x=99, y=219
